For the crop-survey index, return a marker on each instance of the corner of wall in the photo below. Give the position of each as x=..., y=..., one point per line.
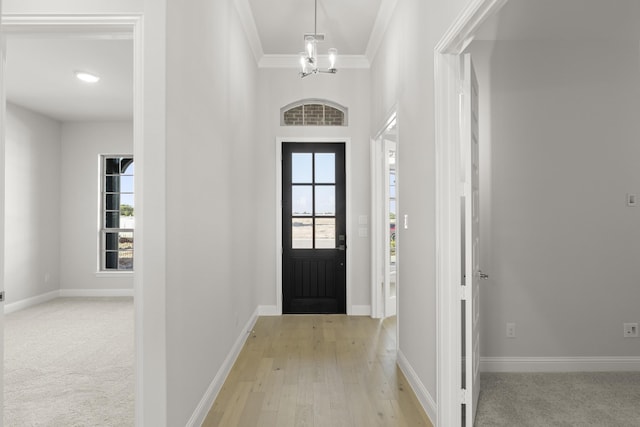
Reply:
x=203, y=408
x=423, y=395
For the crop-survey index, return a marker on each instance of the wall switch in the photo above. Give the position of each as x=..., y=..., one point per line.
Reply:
x=511, y=330
x=632, y=200
x=630, y=330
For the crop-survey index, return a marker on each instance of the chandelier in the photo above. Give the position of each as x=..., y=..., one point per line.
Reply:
x=309, y=58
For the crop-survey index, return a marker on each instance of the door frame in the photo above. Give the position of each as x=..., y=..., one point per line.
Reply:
x=448, y=171
x=128, y=26
x=278, y=203
x=377, y=187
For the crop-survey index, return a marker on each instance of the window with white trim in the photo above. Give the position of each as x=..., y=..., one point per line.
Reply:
x=313, y=112
x=117, y=219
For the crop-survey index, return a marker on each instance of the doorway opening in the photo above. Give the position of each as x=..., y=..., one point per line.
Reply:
x=324, y=233
x=314, y=228
x=454, y=399
x=384, y=214
x=38, y=137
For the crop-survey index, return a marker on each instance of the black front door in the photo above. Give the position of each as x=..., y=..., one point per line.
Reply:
x=314, y=262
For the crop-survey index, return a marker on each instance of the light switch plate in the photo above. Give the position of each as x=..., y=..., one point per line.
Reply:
x=632, y=200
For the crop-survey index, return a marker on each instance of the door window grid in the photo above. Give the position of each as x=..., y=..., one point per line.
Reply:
x=117, y=219
x=313, y=218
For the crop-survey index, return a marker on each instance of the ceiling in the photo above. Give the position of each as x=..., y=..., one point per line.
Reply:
x=40, y=67
x=347, y=24
x=40, y=77
x=39, y=73
x=540, y=20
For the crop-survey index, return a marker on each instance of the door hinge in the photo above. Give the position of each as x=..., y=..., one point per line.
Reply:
x=465, y=293
x=1, y=296
x=463, y=396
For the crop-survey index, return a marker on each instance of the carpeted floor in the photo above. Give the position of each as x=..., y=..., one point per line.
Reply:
x=69, y=362
x=559, y=400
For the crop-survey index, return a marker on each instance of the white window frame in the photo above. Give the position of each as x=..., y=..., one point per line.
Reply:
x=315, y=101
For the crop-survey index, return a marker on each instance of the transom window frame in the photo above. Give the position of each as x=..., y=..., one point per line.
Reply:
x=314, y=101
x=103, y=229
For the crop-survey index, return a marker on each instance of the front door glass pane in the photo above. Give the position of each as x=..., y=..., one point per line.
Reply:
x=302, y=198
x=325, y=200
x=325, y=233
x=301, y=233
x=325, y=168
x=301, y=168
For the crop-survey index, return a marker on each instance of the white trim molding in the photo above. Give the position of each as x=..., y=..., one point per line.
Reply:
x=269, y=310
x=385, y=13
x=278, y=203
x=425, y=399
x=251, y=31
x=293, y=61
x=205, y=404
x=30, y=302
x=95, y=293
x=448, y=170
x=559, y=364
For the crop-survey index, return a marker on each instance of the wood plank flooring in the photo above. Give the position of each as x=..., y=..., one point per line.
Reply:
x=328, y=370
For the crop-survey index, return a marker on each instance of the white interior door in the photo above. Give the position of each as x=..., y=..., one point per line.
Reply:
x=389, y=220
x=471, y=243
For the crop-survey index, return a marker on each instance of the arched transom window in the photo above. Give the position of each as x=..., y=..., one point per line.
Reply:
x=313, y=112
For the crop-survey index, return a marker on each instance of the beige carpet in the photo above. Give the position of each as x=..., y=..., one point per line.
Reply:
x=602, y=399
x=69, y=362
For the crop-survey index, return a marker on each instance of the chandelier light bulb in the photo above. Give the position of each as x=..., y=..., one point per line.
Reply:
x=303, y=62
x=333, y=53
x=310, y=44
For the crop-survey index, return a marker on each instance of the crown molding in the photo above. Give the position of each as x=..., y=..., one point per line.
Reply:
x=385, y=13
x=250, y=29
x=293, y=61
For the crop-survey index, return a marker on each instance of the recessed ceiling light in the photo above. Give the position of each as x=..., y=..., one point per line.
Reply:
x=87, y=77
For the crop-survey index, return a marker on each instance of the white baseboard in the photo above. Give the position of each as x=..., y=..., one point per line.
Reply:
x=559, y=364
x=29, y=302
x=210, y=395
x=418, y=387
x=65, y=293
x=268, y=310
x=360, y=310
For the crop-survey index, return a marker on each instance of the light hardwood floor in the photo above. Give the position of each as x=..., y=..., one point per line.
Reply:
x=318, y=371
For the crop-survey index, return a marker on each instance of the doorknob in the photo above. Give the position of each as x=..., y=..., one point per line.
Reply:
x=483, y=276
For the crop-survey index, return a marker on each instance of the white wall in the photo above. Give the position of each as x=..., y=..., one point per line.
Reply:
x=279, y=87
x=211, y=210
x=82, y=145
x=32, y=216
x=402, y=75
x=559, y=128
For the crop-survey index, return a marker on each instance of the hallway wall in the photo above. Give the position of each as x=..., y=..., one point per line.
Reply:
x=82, y=144
x=32, y=204
x=402, y=76
x=280, y=87
x=211, y=188
x=559, y=130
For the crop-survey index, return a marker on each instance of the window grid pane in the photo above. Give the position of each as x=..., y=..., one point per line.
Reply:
x=313, y=215
x=118, y=218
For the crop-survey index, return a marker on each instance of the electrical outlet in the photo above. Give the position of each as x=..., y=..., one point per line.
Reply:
x=630, y=330
x=511, y=330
